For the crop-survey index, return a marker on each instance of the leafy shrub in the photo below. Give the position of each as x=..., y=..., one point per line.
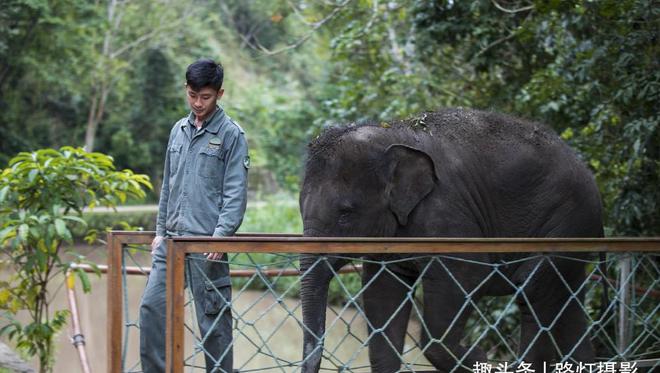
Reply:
x=42, y=196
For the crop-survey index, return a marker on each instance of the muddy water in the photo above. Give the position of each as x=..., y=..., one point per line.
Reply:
x=267, y=335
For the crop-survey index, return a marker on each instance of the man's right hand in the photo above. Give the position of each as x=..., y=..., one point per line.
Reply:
x=155, y=243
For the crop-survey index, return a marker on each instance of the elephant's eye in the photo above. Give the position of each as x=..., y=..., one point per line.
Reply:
x=344, y=215
x=346, y=208
x=344, y=218
x=345, y=212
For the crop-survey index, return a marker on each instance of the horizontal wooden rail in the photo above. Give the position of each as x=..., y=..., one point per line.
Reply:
x=268, y=272
x=359, y=245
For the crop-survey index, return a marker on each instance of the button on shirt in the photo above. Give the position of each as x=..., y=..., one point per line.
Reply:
x=204, y=191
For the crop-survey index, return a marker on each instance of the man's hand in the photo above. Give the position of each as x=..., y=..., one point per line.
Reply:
x=159, y=239
x=155, y=243
x=213, y=256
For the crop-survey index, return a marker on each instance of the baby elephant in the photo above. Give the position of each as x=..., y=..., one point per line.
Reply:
x=451, y=173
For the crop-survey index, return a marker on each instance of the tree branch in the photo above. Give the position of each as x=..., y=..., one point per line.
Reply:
x=315, y=27
x=495, y=43
x=300, y=16
x=149, y=35
x=511, y=35
x=512, y=11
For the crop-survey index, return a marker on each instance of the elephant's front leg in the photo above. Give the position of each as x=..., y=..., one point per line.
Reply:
x=387, y=304
x=445, y=319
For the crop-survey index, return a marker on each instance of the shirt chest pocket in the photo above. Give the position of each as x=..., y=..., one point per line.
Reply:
x=175, y=157
x=210, y=162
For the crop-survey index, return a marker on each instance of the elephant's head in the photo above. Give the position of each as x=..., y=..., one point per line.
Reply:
x=358, y=183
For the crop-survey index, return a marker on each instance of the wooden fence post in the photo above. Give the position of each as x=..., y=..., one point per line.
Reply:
x=115, y=303
x=175, y=307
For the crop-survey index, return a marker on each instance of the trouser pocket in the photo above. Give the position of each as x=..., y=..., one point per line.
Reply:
x=216, y=296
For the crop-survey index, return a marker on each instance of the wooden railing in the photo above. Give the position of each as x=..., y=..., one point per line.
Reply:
x=179, y=247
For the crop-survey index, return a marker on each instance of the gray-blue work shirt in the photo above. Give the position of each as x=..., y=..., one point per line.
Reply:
x=204, y=191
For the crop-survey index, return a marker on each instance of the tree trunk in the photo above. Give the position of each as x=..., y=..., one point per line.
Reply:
x=92, y=125
x=100, y=95
x=96, y=111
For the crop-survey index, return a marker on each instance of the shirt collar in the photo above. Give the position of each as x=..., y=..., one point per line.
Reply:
x=211, y=124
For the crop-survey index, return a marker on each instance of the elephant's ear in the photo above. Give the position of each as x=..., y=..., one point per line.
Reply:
x=411, y=177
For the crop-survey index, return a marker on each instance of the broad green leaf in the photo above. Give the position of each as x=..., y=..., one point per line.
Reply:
x=84, y=279
x=5, y=294
x=7, y=233
x=3, y=193
x=75, y=219
x=41, y=258
x=91, y=236
x=32, y=175
x=60, y=226
x=23, y=231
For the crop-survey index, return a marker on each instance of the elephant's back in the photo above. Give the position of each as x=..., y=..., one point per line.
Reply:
x=486, y=131
x=526, y=180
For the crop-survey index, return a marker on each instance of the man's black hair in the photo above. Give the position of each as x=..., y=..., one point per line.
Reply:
x=204, y=73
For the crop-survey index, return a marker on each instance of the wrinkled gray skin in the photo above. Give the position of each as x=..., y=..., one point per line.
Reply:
x=452, y=173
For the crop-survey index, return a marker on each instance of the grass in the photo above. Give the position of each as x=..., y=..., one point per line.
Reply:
x=272, y=214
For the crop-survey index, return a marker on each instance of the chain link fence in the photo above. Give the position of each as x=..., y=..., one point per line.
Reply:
x=618, y=297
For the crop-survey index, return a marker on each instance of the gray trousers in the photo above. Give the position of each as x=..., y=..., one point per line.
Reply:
x=211, y=287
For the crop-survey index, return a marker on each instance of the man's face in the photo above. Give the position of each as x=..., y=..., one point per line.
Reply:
x=203, y=102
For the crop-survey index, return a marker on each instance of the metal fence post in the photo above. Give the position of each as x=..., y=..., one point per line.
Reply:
x=624, y=335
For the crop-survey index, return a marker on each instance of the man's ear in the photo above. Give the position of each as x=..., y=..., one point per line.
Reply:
x=221, y=92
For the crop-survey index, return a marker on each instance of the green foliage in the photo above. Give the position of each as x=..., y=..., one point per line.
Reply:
x=377, y=74
x=36, y=36
x=607, y=86
x=136, y=136
x=42, y=195
x=280, y=142
x=588, y=69
x=64, y=62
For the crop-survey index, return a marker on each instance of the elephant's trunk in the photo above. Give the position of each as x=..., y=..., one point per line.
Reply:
x=317, y=274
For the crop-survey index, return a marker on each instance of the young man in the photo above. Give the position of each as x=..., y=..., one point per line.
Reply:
x=204, y=193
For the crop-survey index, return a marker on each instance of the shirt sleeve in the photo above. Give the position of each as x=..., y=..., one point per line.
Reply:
x=164, y=192
x=234, y=189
